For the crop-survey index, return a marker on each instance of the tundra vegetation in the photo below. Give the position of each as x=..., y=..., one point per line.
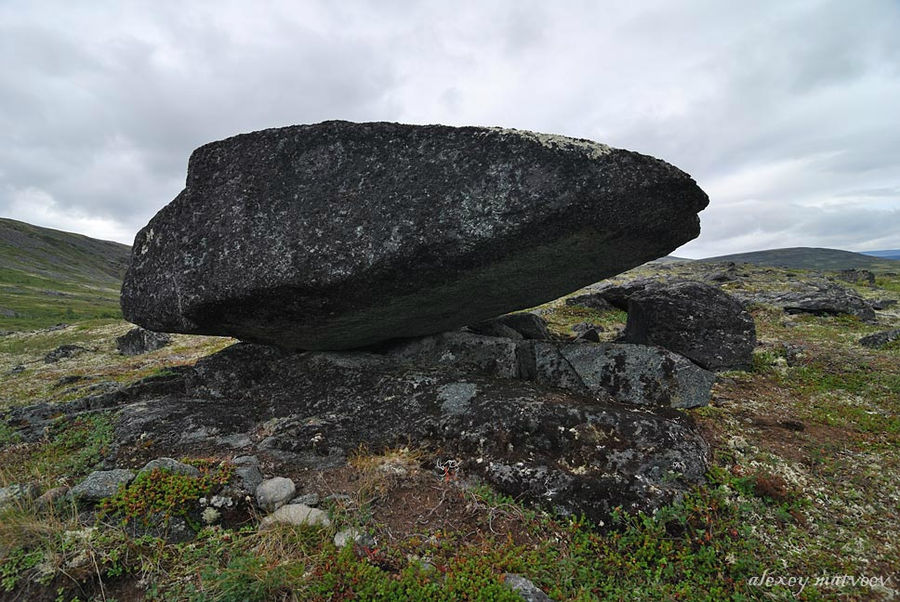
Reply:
x=805, y=453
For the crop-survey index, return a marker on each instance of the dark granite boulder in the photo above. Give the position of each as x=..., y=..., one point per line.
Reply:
x=63, y=352
x=140, y=340
x=696, y=320
x=522, y=325
x=880, y=339
x=857, y=276
x=589, y=300
x=341, y=235
x=825, y=299
x=617, y=295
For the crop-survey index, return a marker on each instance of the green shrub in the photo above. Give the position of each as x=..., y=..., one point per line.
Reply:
x=162, y=492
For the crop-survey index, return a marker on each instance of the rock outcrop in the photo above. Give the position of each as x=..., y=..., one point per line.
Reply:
x=63, y=352
x=824, y=299
x=857, y=276
x=631, y=374
x=341, y=235
x=880, y=339
x=576, y=452
x=695, y=320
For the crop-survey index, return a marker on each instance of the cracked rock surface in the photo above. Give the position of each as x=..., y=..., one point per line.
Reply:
x=575, y=452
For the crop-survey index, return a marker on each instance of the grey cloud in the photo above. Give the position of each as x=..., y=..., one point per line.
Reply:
x=784, y=110
x=759, y=225
x=120, y=147
x=893, y=191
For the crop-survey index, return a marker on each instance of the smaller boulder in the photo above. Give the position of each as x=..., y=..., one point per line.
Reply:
x=880, y=339
x=585, y=326
x=881, y=304
x=530, y=326
x=140, y=340
x=494, y=328
x=721, y=272
x=825, y=299
x=307, y=499
x=101, y=484
x=618, y=295
x=69, y=380
x=296, y=514
x=274, y=493
x=591, y=335
x=855, y=275
x=63, y=352
x=696, y=320
x=589, y=300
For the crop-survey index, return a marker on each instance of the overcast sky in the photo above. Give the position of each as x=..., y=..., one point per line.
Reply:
x=787, y=112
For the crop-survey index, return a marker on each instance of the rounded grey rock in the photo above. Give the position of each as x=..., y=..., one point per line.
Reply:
x=101, y=484
x=273, y=493
x=296, y=514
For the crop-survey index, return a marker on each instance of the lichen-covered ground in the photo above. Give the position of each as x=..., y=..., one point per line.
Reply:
x=802, y=501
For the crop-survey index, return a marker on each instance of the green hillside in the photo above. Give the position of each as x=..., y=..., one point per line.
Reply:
x=811, y=258
x=48, y=276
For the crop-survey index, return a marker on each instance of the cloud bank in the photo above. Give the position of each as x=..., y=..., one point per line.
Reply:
x=784, y=112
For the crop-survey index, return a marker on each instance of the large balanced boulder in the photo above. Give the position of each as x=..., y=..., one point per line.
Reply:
x=341, y=235
x=699, y=321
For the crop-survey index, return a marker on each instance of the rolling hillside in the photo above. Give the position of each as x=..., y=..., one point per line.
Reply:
x=811, y=258
x=886, y=254
x=48, y=276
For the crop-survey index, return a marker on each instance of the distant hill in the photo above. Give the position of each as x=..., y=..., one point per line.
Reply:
x=811, y=258
x=888, y=254
x=48, y=276
x=669, y=259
